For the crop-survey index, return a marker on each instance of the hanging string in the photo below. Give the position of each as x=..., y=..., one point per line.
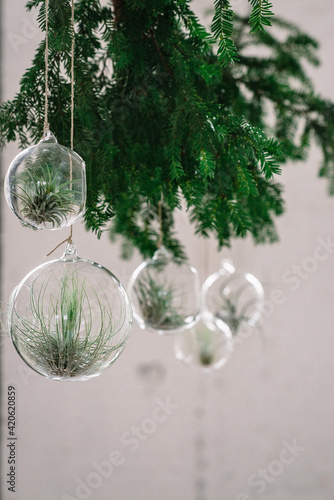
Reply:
x=206, y=256
x=72, y=78
x=46, y=57
x=160, y=238
x=201, y=464
x=72, y=90
x=69, y=239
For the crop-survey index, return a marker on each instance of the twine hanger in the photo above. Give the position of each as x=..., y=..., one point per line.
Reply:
x=46, y=124
x=46, y=57
x=160, y=237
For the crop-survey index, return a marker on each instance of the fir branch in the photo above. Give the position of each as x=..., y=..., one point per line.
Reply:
x=222, y=29
x=160, y=53
x=261, y=15
x=157, y=114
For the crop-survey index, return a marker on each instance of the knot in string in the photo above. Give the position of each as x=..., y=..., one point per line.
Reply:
x=67, y=240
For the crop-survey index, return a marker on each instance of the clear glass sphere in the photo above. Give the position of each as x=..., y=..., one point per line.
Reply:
x=204, y=346
x=232, y=298
x=165, y=294
x=45, y=185
x=69, y=319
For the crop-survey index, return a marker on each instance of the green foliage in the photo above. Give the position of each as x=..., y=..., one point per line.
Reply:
x=222, y=29
x=160, y=114
x=261, y=14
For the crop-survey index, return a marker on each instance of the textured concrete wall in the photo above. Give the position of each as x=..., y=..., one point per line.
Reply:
x=262, y=427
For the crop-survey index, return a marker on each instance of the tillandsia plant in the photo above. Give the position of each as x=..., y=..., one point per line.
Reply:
x=43, y=197
x=158, y=303
x=231, y=298
x=213, y=346
x=233, y=309
x=59, y=338
x=206, y=346
x=161, y=113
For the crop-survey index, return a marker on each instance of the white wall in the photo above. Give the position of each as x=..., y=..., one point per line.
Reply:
x=225, y=426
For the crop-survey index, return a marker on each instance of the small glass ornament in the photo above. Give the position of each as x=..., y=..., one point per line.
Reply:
x=205, y=345
x=232, y=298
x=45, y=185
x=69, y=319
x=165, y=294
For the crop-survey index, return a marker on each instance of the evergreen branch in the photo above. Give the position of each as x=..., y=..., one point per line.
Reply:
x=160, y=113
x=261, y=15
x=160, y=53
x=207, y=165
x=117, y=4
x=196, y=30
x=222, y=29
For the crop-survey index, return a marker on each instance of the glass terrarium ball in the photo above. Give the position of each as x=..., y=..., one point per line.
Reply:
x=204, y=346
x=165, y=294
x=232, y=298
x=70, y=318
x=45, y=185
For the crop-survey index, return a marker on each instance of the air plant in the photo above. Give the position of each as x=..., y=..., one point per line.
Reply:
x=212, y=346
x=206, y=346
x=235, y=307
x=157, y=303
x=44, y=198
x=63, y=336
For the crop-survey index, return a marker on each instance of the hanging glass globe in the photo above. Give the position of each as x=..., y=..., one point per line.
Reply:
x=232, y=298
x=204, y=346
x=45, y=185
x=165, y=294
x=69, y=319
